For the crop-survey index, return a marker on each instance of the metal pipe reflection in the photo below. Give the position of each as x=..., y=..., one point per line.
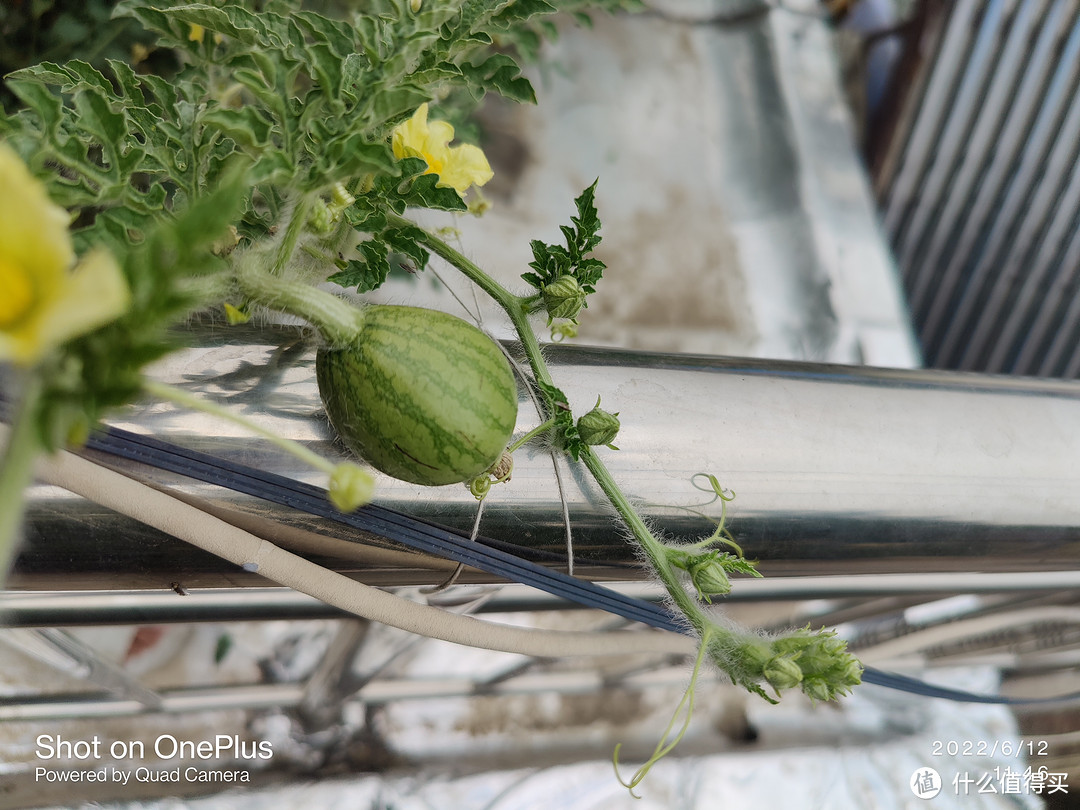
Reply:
x=837, y=470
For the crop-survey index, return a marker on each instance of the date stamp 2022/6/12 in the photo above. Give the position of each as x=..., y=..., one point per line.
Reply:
x=927, y=782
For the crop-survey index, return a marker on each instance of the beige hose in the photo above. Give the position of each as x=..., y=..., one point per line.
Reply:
x=186, y=522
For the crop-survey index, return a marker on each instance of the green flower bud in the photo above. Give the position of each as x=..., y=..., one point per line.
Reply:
x=825, y=655
x=563, y=298
x=706, y=571
x=708, y=576
x=598, y=426
x=782, y=672
x=321, y=219
x=850, y=673
x=817, y=689
x=350, y=487
x=755, y=655
x=340, y=198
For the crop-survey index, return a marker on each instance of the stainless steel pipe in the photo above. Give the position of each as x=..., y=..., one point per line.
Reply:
x=836, y=470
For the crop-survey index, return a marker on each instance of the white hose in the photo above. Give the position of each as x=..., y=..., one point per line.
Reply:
x=181, y=520
x=915, y=642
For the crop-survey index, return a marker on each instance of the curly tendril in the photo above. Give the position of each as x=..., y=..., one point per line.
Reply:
x=666, y=746
x=497, y=473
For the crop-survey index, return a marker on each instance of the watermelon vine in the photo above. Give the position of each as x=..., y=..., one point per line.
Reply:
x=281, y=150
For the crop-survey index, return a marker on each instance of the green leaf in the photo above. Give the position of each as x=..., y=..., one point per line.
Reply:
x=737, y=565
x=232, y=21
x=41, y=101
x=498, y=72
x=336, y=35
x=408, y=241
x=86, y=77
x=397, y=103
x=353, y=69
x=552, y=261
x=367, y=273
x=99, y=118
x=565, y=427
x=423, y=191
x=248, y=126
x=520, y=11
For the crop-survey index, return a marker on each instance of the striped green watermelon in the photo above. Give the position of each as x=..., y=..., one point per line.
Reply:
x=421, y=395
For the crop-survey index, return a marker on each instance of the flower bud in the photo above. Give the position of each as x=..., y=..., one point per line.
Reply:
x=708, y=576
x=340, y=198
x=321, y=219
x=563, y=298
x=598, y=426
x=851, y=672
x=782, y=672
x=817, y=689
x=350, y=487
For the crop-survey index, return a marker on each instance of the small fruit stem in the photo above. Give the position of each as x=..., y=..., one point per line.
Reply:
x=180, y=397
x=532, y=434
x=289, y=240
x=337, y=319
x=514, y=306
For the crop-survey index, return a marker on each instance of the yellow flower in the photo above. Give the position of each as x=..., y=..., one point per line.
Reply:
x=196, y=33
x=458, y=167
x=43, y=302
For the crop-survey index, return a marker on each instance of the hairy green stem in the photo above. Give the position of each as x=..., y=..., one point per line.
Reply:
x=517, y=309
x=17, y=469
x=654, y=550
x=532, y=434
x=337, y=320
x=514, y=306
x=297, y=223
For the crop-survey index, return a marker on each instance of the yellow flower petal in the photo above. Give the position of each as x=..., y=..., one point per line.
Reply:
x=439, y=135
x=465, y=166
x=409, y=136
x=234, y=315
x=458, y=167
x=96, y=293
x=45, y=304
x=16, y=294
x=33, y=230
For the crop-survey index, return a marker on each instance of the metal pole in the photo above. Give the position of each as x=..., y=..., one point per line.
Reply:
x=837, y=470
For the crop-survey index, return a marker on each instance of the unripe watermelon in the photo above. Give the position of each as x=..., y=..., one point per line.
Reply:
x=420, y=395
